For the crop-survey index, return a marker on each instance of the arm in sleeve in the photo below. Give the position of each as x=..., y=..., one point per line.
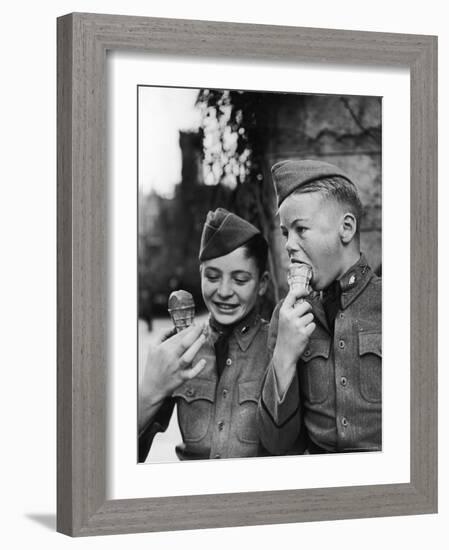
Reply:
x=279, y=418
x=159, y=424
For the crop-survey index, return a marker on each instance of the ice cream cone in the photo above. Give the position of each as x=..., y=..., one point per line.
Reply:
x=181, y=308
x=299, y=276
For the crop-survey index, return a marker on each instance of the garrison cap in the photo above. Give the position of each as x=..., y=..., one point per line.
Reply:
x=289, y=175
x=223, y=232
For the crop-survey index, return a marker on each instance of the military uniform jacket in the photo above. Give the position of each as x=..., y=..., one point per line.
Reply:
x=217, y=416
x=335, y=396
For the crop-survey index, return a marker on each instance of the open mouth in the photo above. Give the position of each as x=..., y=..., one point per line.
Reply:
x=296, y=261
x=226, y=308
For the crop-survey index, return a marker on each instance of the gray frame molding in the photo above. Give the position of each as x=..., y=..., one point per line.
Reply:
x=83, y=40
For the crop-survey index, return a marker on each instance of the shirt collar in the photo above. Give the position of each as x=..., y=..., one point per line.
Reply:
x=354, y=281
x=244, y=330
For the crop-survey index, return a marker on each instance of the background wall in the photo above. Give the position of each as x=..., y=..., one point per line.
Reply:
x=28, y=234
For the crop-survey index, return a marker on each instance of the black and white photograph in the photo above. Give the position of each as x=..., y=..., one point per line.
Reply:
x=259, y=274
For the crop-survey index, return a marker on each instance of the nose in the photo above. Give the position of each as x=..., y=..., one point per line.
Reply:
x=224, y=289
x=291, y=244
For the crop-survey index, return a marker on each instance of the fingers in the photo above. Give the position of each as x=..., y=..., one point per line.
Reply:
x=188, y=374
x=166, y=334
x=187, y=337
x=189, y=355
x=302, y=324
x=301, y=308
x=309, y=329
x=294, y=294
x=300, y=317
x=307, y=319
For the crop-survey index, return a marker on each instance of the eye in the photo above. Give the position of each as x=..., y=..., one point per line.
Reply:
x=300, y=229
x=284, y=234
x=212, y=277
x=241, y=280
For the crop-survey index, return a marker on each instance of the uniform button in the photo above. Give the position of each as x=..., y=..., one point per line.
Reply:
x=217, y=455
x=307, y=353
x=220, y=425
x=341, y=344
x=225, y=393
x=244, y=329
x=228, y=362
x=342, y=315
x=190, y=392
x=343, y=381
x=344, y=422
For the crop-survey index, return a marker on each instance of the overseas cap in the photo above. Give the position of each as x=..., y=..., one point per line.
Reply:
x=289, y=175
x=223, y=232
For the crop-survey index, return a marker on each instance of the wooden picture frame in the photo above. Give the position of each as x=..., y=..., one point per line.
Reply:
x=83, y=40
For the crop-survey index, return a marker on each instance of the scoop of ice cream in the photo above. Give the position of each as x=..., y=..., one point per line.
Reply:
x=299, y=276
x=181, y=308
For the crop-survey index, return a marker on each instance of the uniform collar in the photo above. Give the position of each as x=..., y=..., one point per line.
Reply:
x=244, y=330
x=351, y=284
x=354, y=281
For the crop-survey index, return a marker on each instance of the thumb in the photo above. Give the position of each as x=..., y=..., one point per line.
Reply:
x=295, y=293
x=166, y=334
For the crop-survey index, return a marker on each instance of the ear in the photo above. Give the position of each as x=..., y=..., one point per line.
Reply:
x=263, y=283
x=348, y=227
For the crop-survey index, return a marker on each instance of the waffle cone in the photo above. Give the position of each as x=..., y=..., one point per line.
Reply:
x=299, y=276
x=181, y=308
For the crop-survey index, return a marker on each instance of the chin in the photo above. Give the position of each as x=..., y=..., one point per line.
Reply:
x=227, y=319
x=317, y=285
x=224, y=320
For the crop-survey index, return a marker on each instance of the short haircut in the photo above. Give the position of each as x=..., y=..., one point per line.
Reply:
x=257, y=248
x=339, y=189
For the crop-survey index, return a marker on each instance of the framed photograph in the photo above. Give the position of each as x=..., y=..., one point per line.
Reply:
x=182, y=146
x=206, y=149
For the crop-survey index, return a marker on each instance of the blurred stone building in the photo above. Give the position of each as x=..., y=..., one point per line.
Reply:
x=170, y=232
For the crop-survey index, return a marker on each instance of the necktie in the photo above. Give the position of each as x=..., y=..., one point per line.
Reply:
x=331, y=302
x=221, y=351
x=224, y=333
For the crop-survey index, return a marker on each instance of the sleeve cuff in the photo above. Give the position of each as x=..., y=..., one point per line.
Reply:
x=158, y=424
x=281, y=410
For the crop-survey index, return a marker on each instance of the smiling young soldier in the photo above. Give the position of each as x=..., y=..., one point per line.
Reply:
x=323, y=385
x=217, y=398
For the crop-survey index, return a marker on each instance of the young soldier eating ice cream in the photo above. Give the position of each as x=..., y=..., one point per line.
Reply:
x=323, y=384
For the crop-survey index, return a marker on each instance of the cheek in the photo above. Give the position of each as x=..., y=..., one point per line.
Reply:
x=328, y=252
x=207, y=289
x=323, y=244
x=332, y=245
x=250, y=294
